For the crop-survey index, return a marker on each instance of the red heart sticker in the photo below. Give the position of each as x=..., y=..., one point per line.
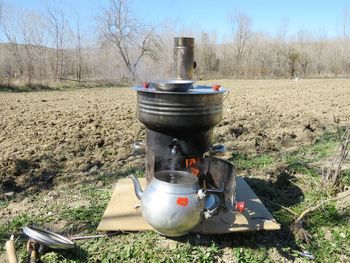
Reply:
x=183, y=201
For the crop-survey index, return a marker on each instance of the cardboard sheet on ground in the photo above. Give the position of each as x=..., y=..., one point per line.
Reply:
x=121, y=214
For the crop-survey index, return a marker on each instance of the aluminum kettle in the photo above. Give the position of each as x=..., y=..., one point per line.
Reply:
x=173, y=202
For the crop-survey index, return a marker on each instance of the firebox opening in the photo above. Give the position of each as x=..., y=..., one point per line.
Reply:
x=193, y=165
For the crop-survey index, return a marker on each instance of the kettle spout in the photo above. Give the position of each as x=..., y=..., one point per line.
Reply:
x=137, y=187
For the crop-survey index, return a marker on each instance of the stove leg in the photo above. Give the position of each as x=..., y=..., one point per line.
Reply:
x=150, y=166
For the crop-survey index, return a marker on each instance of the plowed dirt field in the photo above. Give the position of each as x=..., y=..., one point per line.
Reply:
x=48, y=136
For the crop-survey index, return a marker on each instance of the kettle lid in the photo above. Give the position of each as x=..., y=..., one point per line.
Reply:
x=176, y=177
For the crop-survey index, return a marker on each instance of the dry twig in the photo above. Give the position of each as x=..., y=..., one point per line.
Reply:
x=332, y=178
x=314, y=208
x=11, y=250
x=93, y=236
x=297, y=226
x=281, y=206
x=331, y=181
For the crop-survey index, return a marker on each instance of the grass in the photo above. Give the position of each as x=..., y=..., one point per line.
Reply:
x=291, y=187
x=346, y=177
x=297, y=164
x=327, y=218
x=243, y=161
x=331, y=234
x=300, y=161
x=250, y=255
x=4, y=203
x=15, y=225
x=110, y=177
x=137, y=247
x=88, y=215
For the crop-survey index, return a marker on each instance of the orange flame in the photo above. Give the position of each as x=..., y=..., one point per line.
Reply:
x=192, y=164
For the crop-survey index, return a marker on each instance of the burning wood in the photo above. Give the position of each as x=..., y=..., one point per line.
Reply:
x=193, y=165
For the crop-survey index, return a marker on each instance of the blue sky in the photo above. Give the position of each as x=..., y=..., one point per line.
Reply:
x=212, y=16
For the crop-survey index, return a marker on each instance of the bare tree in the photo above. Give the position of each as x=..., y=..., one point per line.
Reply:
x=240, y=26
x=282, y=30
x=78, y=55
x=57, y=25
x=129, y=49
x=132, y=39
x=319, y=52
x=207, y=58
x=38, y=40
x=293, y=57
x=345, y=25
x=10, y=28
x=29, y=48
x=304, y=40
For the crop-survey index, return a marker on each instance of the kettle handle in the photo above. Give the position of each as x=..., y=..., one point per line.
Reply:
x=213, y=210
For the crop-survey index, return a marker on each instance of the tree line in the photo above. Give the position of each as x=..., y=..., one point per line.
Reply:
x=49, y=47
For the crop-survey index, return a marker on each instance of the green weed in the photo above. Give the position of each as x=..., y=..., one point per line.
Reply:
x=243, y=161
x=4, y=203
x=16, y=223
x=137, y=247
x=323, y=147
x=345, y=175
x=330, y=244
x=249, y=255
x=330, y=234
x=110, y=177
x=297, y=164
x=91, y=214
x=326, y=216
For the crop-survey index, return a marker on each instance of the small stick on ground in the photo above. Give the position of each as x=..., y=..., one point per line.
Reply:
x=33, y=251
x=297, y=226
x=332, y=178
x=11, y=250
x=331, y=181
x=93, y=236
x=283, y=207
x=314, y=208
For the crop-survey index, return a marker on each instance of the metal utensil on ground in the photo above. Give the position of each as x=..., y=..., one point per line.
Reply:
x=40, y=239
x=47, y=238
